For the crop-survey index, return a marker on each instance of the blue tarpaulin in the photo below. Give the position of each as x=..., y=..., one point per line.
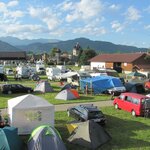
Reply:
x=100, y=84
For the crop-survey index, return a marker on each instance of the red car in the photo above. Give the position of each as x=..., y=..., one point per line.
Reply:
x=136, y=104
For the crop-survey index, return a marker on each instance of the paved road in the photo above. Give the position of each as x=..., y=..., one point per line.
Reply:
x=64, y=107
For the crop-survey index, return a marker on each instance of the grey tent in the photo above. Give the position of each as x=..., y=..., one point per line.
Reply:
x=65, y=95
x=45, y=138
x=43, y=87
x=68, y=86
x=89, y=134
x=134, y=87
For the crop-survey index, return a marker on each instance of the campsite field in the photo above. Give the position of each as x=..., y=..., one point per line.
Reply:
x=127, y=132
x=49, y=96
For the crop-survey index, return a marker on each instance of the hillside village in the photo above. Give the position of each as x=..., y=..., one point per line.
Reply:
x=74, y=75
x=42, y=81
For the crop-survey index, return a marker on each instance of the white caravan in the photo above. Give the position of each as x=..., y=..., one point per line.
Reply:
x=1, y=69
x=62, y=68
x=9, y=71
x=25, y=71
x=52, y=73
x=40, y=67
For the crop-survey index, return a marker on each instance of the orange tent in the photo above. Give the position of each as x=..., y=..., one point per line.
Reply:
x=75, y=93
x=147, y=85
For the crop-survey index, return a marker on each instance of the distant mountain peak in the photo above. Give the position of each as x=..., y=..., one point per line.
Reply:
x=16, y=41
x=40, y=45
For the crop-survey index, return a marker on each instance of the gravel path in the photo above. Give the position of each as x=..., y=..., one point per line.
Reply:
x=64, y=107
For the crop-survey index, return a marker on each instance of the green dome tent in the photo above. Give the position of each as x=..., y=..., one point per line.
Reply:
x=9, y=139
x=45, y=138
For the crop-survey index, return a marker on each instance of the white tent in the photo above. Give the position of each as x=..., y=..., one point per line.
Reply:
x=28, y=112
x=43, y=87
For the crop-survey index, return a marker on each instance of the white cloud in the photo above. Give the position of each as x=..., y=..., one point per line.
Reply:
x=35, y=12
x=114, y=7
x=13, y=3
x=85, y=9
x=58, y=33
x=46, y=15
x=19, y=28
x=66, y=5
x=23, y=30
x=3, y=7
x=147, y=27
x=15, y=14
x=90, y=30
x=147, y=9
x=132, y=14
x=117, y=26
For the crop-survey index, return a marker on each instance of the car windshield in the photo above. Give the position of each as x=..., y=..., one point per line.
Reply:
x=114, y=74
x=95, y=114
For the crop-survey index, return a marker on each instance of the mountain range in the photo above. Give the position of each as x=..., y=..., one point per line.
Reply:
x=45, y=45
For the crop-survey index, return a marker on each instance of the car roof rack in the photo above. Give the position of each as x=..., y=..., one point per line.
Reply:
x=88, y=105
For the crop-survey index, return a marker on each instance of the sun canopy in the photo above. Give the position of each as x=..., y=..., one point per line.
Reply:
x=100, y=84
x=29, y=111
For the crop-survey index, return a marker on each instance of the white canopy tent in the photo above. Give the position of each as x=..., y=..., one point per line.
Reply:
x=28, y=112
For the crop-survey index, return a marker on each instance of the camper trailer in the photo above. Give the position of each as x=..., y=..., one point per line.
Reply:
x=75, y=79
x=25, y=71
x=9, y=71
x=52, y=73
x=62, y=68
x=40, y=67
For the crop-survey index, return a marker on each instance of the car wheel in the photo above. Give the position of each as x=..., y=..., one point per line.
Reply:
x=116, y=106
x=9, y=92
x=133, y=113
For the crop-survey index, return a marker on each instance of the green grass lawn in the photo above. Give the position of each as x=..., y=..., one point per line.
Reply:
x=127, y=132
x=50, y=97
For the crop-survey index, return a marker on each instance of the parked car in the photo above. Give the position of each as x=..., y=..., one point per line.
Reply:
x=15, y=88
x=134, y=103
x=3, y=77
x=87, y=112
x=35, y=77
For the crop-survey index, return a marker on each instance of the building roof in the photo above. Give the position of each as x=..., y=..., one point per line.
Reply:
x=125, y=57
x=6, y=55
x=146, y=66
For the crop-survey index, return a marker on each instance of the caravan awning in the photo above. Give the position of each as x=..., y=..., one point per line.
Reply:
x=67, y=75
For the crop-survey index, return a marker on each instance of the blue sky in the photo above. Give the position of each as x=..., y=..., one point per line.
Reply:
x=119, y=21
